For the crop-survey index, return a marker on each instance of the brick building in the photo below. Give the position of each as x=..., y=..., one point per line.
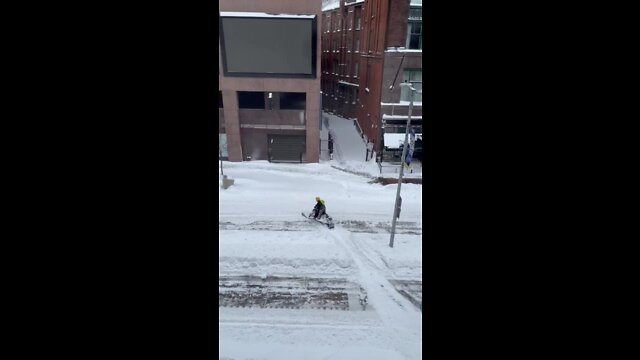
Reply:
x=269, y=80
x=366, y=45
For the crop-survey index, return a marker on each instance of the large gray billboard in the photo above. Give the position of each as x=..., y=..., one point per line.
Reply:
x=268, y=46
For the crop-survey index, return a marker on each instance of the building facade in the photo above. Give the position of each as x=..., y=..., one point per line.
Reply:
x=369, y=47
x=265, y=114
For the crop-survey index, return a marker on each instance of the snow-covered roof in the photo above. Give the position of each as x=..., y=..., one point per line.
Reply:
x=264, y=15
x=395, y=141
x=328, y=5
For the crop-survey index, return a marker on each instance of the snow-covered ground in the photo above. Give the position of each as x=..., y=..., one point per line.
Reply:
x=263, y=235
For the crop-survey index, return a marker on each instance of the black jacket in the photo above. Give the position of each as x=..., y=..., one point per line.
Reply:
x=319, y=205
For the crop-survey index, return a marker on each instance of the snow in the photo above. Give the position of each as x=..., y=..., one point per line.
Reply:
x=348, y=83
x=396, y=140
x=400, y=117
x=402, y=103
x=350, y=151
x=328, y=5
x=264, y=15
x=403, y=50
x=262, y=233
x=242, y=253
x=348, y=144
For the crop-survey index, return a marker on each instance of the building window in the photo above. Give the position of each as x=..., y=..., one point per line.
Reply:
x=357, y=47
x=415, y=14
x=358, y=17
x=220, y=103
x=335, y=67
x=251, y=100
x=415, y=78
x=355, y=69
x=350, y=20
x=355, y=95
x=414, y=29
x=293, y=101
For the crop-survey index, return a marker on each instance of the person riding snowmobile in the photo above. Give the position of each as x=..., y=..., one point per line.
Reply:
x=318, y=210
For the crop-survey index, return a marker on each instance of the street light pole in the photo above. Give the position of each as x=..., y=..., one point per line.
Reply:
x=220, y=153
x=404, y=153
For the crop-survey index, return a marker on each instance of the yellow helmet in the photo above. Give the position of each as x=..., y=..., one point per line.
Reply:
x=317, y=198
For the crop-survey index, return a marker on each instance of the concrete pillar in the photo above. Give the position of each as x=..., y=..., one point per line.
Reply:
x=232, y=125
x=312, y=114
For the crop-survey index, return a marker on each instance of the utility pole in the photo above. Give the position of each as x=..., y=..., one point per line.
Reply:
x=404, y=153
x=220, y=153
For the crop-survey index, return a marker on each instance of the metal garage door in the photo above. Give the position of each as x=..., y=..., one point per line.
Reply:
x=286, y=148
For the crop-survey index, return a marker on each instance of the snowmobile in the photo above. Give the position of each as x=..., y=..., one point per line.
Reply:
x=324, y=219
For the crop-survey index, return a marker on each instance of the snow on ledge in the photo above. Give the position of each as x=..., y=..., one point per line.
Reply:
x=264, y=15
x=403, y=50
x=402, y=103
x=348, y=83
x=400, y=117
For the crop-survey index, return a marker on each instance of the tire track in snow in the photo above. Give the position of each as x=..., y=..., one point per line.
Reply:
x=397, y=313
x=293, y=325
x=293, y=224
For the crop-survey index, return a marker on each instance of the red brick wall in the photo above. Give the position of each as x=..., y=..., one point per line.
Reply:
x=397, y=24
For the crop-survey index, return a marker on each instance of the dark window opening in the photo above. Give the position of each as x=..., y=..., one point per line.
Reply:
x=220, y=104
x=414, y=29
x=415, y=14
x=414, y=35
x=293, y=101
x=250, y=100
